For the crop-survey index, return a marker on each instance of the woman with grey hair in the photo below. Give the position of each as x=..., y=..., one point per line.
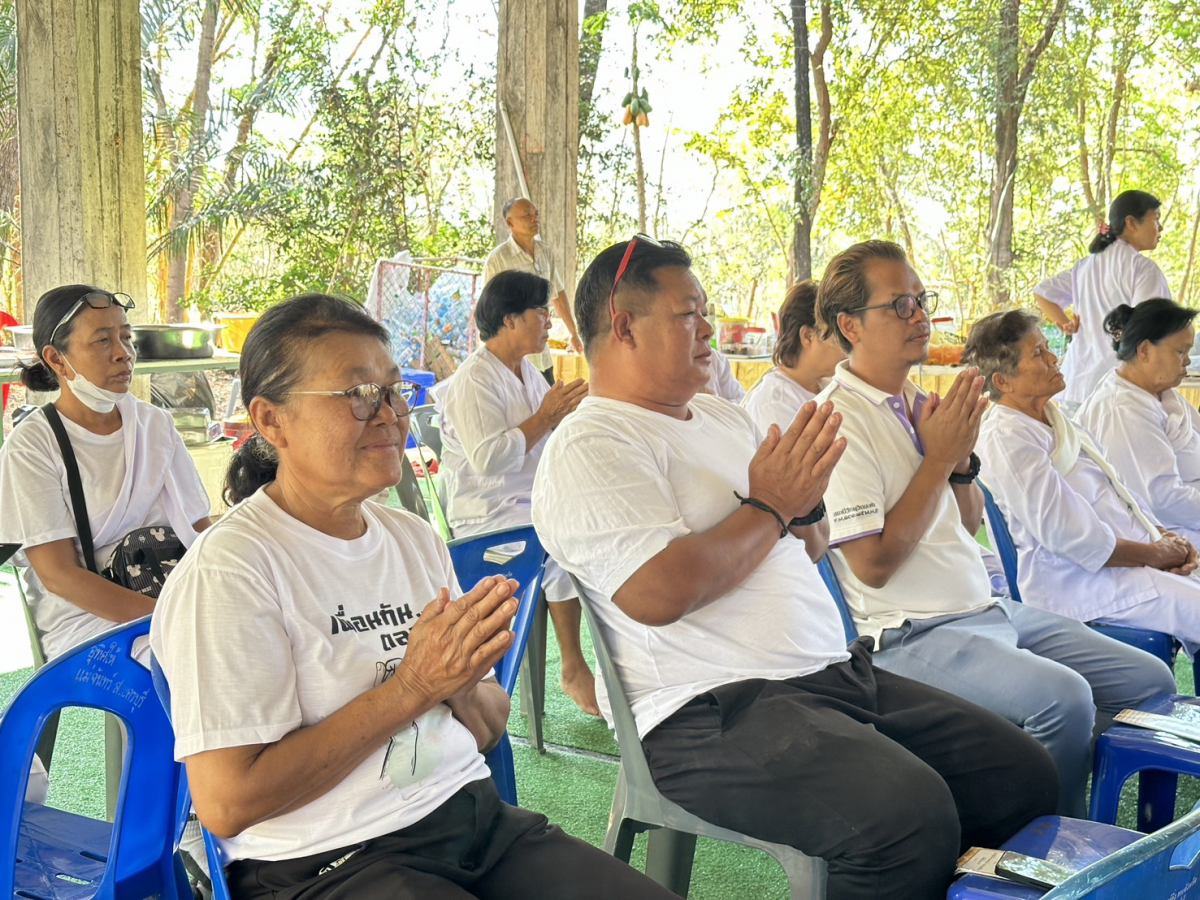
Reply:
x=1149, y=432
x=1087, y=547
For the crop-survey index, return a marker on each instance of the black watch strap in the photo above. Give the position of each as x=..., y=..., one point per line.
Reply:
x=815, y=516
x=970, y=476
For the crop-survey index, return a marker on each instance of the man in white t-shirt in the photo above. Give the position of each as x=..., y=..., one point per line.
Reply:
x=693, y=539
x=904, y=509
x=524, y=250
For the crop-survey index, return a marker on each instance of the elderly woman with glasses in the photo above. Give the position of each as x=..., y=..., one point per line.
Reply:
x=133, y=468
x=1148, y=431
x=1088, y=547
x=496, y=413
x=331, y=684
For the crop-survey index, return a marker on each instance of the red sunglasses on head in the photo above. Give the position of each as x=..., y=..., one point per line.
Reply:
x=633, y=241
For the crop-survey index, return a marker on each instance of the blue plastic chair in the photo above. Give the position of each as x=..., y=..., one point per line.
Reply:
x=526, y=567
x=53, y=854
x=1112, y=863
x=1155, y=643
x=825, y=567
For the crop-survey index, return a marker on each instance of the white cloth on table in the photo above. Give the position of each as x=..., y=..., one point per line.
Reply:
x=268, y=625
x=775, y=400
x=617, y=484
x=1153, y=444
x=721, y=382
x=945, y=573
x=1066, y=526
x=508, y=256
x=1095, y=286
x=137, y=477
x=485, y=475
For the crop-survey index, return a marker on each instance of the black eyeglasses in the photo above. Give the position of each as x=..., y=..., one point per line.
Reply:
x=633, y=242
x=906, y=304
x=366, y=398
x=96, y=300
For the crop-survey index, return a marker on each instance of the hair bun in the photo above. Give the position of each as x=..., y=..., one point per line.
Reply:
x=1115, y=321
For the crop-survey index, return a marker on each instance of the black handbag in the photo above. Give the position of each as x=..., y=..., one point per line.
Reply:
x=145, y=556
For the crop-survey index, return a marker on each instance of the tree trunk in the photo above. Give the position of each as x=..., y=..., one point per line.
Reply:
x=177, y=264
x=1012, y=83
x=802, y=218
x=591, y=43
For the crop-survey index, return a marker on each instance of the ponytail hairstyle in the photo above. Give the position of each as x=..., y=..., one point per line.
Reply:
x=799, y=309
x=51, y=307
x=1127, y=203
x=1151, y=320
x=274, y=357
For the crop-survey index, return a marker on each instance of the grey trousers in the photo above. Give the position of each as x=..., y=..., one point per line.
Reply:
x=1054, y=677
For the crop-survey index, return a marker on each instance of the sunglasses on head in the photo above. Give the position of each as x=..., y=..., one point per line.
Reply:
x=633, y=242
x=96, y=300
x=366, y=398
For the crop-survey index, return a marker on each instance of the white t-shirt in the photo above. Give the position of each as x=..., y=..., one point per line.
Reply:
x=945, y=573
x=268, y=626
x=509, y=256
x=1065, y=528
x=775, y=400
x=1153, y=445
x=721, y=381
x=616, y=485
x=1095, y=286
x=35, y=509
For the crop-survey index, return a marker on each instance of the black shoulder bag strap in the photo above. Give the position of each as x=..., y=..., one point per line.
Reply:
x=75, y=485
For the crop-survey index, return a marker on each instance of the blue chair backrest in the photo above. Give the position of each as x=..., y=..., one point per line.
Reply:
x=1002, y=541
x=825, y=567
x=101, y=674
x=525, y=567
x=1163, y=864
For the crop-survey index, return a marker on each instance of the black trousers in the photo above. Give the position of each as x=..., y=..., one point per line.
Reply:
x=473, y=845
x=885, y=778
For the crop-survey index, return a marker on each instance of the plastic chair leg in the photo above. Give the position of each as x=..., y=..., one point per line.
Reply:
x=533, y=676
x=669, y=859
x=1156, y=799
x=45, y=744
x=114, y=761
x=500, y=762
x=619, y=842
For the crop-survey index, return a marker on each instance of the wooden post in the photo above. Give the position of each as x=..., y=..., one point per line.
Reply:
x=83, y=182
x=537, y=78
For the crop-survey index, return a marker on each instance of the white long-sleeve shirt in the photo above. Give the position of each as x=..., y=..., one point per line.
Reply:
x=1095, y=286
x=775, y=400
x=1065, y=527
x=1153, y=444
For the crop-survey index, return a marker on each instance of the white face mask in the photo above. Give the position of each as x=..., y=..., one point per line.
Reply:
x=97, y=399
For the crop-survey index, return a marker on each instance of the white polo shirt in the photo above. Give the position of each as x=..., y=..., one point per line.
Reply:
x=945, y=573
x=508, y=256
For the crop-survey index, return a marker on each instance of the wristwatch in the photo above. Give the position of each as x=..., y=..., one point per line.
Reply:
x=970, y=476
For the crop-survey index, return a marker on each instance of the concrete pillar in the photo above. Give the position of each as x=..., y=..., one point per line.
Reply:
x=83, y=183
x=537, y=79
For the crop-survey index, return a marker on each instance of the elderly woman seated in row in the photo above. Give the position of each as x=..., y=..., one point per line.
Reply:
x=496, y=413
x=1150, y=434
x=1088, y=549
x=331, y=684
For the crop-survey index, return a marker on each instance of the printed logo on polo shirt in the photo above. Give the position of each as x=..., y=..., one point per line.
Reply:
x=858, y=511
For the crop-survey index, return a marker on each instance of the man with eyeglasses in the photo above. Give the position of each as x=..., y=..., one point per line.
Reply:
x=693, y=537
x=525, y=251
x=904, y=509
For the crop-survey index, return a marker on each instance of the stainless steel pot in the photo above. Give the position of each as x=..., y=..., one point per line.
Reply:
x=174, y=341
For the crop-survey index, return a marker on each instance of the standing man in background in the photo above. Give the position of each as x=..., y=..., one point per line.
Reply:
x=525, y=251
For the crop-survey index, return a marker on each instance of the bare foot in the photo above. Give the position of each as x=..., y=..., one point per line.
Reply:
x=582, y=689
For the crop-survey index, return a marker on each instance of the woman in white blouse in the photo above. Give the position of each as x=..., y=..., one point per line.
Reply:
x=1150, y=434
x=802, y=361
x=1087, y=547
x=1114, y=272
x=496, y=413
